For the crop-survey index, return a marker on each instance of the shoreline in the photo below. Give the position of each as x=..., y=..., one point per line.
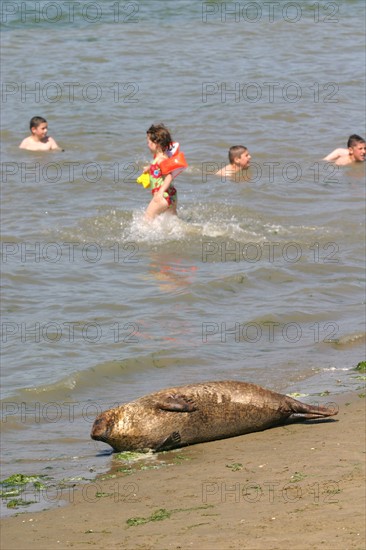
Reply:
x=271, y=489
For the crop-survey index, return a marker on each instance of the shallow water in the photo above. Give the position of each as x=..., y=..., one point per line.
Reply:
x=260, y=280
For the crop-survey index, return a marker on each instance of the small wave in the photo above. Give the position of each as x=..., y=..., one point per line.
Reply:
x=350, y=339
x=193, y=223
x=337, y=369
x=162, y=229
x=79, y=381
x=75, y=384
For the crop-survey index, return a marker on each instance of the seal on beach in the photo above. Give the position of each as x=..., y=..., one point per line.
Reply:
x=185, y=415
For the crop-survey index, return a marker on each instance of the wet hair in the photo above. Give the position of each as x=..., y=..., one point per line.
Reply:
x=36, y=121
x=236, y=151
x=160, y=134
x=354, y=139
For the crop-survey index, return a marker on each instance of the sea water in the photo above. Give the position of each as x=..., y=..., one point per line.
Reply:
x=259, y=279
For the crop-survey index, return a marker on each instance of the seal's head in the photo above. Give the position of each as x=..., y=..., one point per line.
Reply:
x=101, y=428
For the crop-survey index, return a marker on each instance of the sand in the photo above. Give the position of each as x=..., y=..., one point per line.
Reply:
x=299, y=486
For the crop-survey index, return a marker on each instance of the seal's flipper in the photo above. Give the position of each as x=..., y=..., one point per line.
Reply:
x=172, y=441
x=298, y=410
x=176, y=403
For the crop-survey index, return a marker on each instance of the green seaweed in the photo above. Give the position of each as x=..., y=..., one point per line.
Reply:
x=161, y=514
x=20, y=479
x=197, y=525
x=13, y=486
x=108, y=476
x=297, y=476
x=127, y=471
x=11, y=492
x=16, y=502
x=158, y=515
x=129, y=456
x=361, y=366
x=39, y=485
x=235, y=467
x=180, y=458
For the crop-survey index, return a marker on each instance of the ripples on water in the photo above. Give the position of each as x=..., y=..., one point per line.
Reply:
x=261, y=280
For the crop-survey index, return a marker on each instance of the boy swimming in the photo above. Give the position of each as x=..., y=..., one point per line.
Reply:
x=355, y=152
x=239, y=159
x=39, y=140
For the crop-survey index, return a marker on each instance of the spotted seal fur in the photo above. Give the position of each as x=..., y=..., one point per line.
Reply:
x=195, y=413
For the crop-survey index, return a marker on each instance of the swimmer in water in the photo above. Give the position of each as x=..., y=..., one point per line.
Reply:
x=161, y=172
x=39, y=140
x=355, y=152
x=239, y=160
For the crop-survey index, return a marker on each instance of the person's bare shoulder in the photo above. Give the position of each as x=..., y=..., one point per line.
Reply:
x=49, y=144
x=52, y=143
x=220, y=172
x=226, y=171
x=336, y=154
x=26, y=143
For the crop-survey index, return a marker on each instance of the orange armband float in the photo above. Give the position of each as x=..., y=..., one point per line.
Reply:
x=175, y=164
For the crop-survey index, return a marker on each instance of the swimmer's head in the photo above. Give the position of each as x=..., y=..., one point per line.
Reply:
x=36, y=121
x=357, y=148
x=239, y=155
x=160, y=135
x=235, y=151
x=39, y=128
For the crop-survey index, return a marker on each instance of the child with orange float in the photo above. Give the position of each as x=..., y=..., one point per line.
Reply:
x=167, y=163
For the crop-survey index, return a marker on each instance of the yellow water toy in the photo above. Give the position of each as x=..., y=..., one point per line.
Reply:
x=144, y=179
